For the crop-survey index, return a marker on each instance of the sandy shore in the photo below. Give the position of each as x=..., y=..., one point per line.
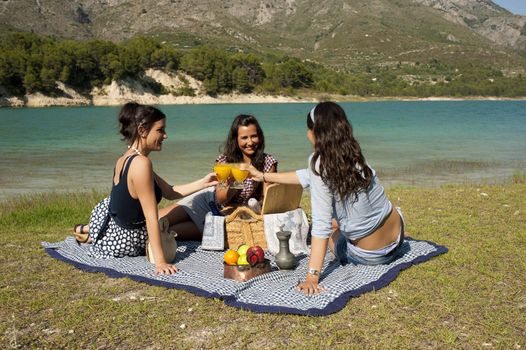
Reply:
x=40, y=100
x=203, y=99
x=120, y=92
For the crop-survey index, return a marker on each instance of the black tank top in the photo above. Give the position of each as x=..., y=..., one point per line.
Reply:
x=124, y=209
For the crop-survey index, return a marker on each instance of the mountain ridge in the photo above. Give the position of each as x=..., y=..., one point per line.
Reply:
x=485, y=19
x=346, y=34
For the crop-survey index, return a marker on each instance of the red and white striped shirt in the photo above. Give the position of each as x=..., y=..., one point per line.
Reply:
x=250, y=186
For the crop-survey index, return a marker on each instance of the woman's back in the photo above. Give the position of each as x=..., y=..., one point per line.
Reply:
x=360, y=216
x=125, y=209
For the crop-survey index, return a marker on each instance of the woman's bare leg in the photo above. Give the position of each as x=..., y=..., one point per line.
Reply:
x=174, y=213
x=187, y=231
x=181, y=223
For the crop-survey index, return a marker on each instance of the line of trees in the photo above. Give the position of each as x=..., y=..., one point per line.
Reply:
x=30, y=63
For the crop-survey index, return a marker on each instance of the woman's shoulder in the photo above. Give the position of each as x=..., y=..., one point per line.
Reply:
x=128, y=161
x=269, y=162
x=269, y=158
x=140, y=164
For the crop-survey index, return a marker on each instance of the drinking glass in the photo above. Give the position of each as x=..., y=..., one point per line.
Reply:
x=223, y=173
x=239, y=176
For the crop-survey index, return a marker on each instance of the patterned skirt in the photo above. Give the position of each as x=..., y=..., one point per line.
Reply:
x=114, y=240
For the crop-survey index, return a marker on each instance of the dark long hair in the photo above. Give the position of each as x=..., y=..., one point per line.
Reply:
x=342, y=165
x=132, y=115
x=231, y=149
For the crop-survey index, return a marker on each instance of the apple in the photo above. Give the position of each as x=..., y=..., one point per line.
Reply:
x=255, y=255
x=243, y=249
x=242, y=260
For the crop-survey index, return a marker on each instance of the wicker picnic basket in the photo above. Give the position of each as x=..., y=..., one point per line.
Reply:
x=244, y=226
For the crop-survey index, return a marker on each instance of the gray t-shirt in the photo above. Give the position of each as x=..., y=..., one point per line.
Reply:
x=356, y=219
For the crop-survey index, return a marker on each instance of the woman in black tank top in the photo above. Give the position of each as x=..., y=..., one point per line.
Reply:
x=121, y=223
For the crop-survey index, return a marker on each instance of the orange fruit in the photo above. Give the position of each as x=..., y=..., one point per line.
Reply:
x=231, y=257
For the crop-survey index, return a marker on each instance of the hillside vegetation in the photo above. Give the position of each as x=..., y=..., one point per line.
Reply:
x=31, y=63
x=345, y=34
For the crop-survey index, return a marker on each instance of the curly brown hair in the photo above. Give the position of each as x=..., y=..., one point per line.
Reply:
x=231, y=148
x=342, y=166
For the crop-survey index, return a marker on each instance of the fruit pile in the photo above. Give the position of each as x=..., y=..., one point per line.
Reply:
x=245, y=255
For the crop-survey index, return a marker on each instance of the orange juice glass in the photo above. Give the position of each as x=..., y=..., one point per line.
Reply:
x=239, y=175
x=223, y=173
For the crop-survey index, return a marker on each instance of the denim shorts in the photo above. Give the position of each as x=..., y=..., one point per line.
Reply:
x=346, y=255
x=197, y=205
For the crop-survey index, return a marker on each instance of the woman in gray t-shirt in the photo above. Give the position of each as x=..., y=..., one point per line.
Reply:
x=350, y=212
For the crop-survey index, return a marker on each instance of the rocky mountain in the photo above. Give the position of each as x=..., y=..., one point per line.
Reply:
x=348, y=34
x=486, y=18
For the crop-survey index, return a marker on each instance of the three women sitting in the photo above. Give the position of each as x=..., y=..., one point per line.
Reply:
x=343, y=187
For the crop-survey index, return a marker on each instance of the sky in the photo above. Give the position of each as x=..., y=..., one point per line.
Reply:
x=517, y=7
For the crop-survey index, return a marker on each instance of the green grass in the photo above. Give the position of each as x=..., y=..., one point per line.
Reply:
x=473, y=297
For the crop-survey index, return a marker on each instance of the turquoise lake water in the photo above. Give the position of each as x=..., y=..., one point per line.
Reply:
x=411, y=143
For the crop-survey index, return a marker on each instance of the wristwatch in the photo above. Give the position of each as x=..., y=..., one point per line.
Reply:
x=313, y=272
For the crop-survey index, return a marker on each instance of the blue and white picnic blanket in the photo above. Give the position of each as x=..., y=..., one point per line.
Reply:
x=202, y=274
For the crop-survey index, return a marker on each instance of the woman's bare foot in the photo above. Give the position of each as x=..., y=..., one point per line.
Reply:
x=81, y=233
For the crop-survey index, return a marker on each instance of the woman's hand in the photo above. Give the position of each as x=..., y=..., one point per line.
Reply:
x=210, y=180
x=255, y=174
x=310, y=286
x=165, y=269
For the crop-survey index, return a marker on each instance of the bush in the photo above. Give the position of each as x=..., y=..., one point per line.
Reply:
x=30, y=63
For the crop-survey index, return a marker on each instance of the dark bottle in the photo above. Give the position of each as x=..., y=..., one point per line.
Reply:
x=284, y=259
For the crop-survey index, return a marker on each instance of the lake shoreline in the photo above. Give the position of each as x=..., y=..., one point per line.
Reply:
x=39, y=100
x=387, y=183
x=118, y=92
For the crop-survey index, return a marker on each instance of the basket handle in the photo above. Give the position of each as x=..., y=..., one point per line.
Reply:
x=246, y=233
x=241, y=210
